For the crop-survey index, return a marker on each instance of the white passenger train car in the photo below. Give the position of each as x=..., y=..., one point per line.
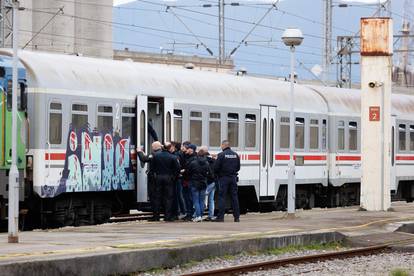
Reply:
x=87, y=116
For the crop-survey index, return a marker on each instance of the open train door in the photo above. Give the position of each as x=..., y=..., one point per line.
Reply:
x=267, y=152
x=142, y=142
x=168, y=121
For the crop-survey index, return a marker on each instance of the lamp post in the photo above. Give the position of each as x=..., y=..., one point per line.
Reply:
x=292, y=38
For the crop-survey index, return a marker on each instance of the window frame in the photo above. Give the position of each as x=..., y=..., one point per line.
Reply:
x=280, y=123
x=318, y=127
x=349, y=135
x=343, y=127
x=55, y=111
x=105, y=114
x=301, y=116
x=178, y=118
x=77, y=112
x=191, y=118
x=228, y=121
x=405, y=137
x=411, y=141
x=255, y=130
x=219, y=120
x=129, y=115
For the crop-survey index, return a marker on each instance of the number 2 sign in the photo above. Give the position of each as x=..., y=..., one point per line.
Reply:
x=374, y=113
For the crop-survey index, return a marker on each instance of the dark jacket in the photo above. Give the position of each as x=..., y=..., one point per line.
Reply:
x=212, y=176
x=188, y=159
x=146, y=159
x=227, y=163
x=198, y=171
x=165, y=163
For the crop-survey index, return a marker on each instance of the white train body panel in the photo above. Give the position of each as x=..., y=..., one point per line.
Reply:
x=79, y=80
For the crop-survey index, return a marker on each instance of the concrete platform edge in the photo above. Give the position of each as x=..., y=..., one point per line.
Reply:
x=141, y=260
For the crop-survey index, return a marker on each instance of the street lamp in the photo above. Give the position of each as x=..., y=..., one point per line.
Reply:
x=292, y=38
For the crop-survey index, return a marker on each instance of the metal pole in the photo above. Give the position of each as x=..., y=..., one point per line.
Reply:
x=291, y=176
x=327, y=45
x=222, y=56
x=14, y=173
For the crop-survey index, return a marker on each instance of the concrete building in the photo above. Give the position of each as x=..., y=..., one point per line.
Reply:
x=66, y=26
x=196, y=62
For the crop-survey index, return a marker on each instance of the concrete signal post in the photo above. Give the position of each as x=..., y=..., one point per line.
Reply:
x=376, y=68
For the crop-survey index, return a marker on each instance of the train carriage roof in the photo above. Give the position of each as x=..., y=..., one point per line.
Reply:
x=106, y=77
x=347, y=102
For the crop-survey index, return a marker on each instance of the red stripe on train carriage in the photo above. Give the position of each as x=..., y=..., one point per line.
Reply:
x=405, y=158
x=284, y=157
x=55, y=156
x=348, y=158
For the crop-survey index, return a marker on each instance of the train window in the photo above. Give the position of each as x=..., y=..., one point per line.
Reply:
x=233, y=129
x=300, y=133
x=264, y=143
x=284, y=132
x=129, y=123
x=250, y=131
x=196, y=127
x=214, y=129
x=323, y=134
x=79, y=115
x=314, y=134
x=353, y=135
x=178, y=125
x=402, y=137
x=412, y=137
x=55, y=123
x=168, y=127
x=105, y=117
x=272, y=143
x=341, y=135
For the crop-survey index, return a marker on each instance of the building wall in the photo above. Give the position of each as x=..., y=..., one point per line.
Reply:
x=76, y=31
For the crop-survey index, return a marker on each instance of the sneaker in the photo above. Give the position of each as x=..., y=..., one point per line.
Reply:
x=218, y=220
x=236, y=220
x=197, y=219
x=181, y=216
x=187, y=218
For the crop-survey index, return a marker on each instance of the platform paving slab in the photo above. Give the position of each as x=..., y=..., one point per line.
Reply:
x=133, y=246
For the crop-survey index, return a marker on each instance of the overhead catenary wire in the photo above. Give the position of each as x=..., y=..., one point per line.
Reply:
x=190, y=31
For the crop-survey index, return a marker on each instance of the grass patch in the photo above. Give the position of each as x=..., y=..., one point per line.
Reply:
x=399, y=272
x=313, y=246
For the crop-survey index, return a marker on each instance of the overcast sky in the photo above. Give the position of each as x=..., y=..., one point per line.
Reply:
x=149, y=26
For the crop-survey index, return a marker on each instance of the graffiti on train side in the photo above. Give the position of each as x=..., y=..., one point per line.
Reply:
x=95, y=161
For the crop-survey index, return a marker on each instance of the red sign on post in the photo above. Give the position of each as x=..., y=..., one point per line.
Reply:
x=374, y=113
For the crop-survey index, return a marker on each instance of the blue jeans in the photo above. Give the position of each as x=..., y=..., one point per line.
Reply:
x=188, y=201
x=198, y=200
x=181, y=208
x=211, y=188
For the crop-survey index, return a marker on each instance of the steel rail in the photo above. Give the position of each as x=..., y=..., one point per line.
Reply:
x=237, y=270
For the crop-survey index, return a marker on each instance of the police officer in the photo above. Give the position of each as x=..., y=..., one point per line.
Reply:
x=153, y=189
x=166, y=169
x=226, y=169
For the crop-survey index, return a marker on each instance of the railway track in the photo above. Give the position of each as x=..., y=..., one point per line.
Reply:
x=237, y=270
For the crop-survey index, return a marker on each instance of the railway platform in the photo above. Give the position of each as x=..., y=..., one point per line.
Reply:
x=119, y=248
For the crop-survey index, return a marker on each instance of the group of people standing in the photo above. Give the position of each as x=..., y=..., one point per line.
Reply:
x=180, y=178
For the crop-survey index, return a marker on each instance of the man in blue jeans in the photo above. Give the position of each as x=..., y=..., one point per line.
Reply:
x=211, y=183
x=226, y=169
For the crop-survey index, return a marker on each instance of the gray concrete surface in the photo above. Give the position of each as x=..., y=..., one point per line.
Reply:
x=134, y=246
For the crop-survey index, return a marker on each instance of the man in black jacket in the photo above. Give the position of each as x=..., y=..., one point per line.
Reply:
x=166, y=169
x=153, y=190
x=226, y=169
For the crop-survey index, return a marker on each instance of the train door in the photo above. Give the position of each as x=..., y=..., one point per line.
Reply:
x=267, y=152
x=168, y=121
x=393, y=183
x=142, y=142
